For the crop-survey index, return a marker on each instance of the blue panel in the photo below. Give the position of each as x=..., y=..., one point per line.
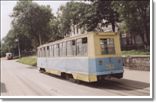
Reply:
x=69, y=64
x=98, y=66
x=92, y=66
x=106, y=65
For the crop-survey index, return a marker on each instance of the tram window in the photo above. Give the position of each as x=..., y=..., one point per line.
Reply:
x=84, y=40
x=107, y=46
x=58, y=50
x=47, y=51
x=78, y=47
x=41, y=52
x=52, y=51
x=64, y=49
x=69, y=48
x=73, y=42
x=84, y=46
x=61, y=49
x=44, y=52
x=81, y=47
x=55, y=50
x=73, y=47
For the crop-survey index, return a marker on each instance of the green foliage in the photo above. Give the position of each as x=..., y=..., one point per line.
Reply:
x=11, y=45
x=30, y=60
x=30, y=25
x=73, y=13
x=135, y=52
x=136, y=16
x=102, y=10
x=55, y=29
x=33, y=21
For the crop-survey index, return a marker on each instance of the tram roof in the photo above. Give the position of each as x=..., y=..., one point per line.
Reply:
x=64, y=39
x=78, y=36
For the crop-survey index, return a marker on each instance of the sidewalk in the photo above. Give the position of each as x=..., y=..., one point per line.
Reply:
x=143, y=76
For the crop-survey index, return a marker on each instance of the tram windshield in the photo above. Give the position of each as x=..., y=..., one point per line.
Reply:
x=107, y=46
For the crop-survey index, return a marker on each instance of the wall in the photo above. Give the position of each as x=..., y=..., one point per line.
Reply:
x=137, y=62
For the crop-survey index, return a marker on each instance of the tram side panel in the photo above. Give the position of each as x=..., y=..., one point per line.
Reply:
x=41, y=62
x=71, y=65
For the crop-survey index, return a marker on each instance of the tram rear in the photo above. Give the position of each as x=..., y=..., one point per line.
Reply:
x=106, y=61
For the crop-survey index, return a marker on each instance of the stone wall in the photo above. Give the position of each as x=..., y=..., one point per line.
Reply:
x=137, y=62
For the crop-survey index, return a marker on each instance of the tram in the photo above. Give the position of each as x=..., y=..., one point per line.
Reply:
x=87, y=57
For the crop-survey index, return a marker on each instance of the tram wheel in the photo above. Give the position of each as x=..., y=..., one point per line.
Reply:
x=42, y=70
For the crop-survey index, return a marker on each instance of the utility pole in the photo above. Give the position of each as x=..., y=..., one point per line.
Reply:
x=17, y=40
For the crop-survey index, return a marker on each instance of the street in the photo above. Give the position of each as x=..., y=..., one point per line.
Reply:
x=23, y=80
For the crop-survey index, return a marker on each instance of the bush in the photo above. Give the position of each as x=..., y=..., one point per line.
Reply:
x=135, y=52
x=30, y=60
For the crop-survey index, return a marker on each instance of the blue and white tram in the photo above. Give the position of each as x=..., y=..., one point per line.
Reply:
x=88, y=57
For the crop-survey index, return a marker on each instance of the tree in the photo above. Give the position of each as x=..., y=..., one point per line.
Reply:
x=11, y=45
x=55, y=29
x=33, y=20
x=30, y=25
x=135, y=15
x=73, y=13
x=102, y=10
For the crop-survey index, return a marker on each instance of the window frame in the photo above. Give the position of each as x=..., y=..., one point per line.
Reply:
x=107, y=46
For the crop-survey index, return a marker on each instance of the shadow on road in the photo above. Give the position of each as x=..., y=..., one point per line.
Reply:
x=3, y=88
x=118, y=84
x=115, y=84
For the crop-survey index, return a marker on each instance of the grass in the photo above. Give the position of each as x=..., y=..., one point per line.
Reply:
x=29, y=60
x=135, y=52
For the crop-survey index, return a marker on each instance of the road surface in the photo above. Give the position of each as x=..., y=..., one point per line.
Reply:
x=23, y=80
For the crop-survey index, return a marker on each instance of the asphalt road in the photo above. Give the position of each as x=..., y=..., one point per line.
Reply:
x=23, y=80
